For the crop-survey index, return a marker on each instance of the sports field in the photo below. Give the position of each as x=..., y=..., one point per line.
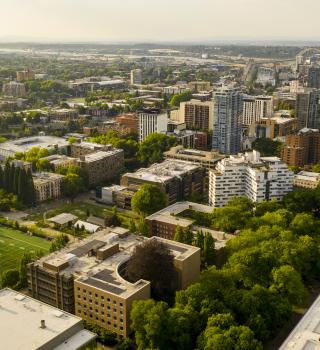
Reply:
x=14, y=243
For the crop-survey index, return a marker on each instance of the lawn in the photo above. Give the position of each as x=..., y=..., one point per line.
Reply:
x=14, y=243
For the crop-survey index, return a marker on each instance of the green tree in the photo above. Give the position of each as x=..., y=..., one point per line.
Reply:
x=148, y=200
x=10, y=278
x=267, y=147
x=178, y=98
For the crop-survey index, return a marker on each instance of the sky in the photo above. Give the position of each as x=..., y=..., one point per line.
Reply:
x=158, y=20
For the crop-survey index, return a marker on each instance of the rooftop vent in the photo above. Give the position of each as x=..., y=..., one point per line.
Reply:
x=43, y=324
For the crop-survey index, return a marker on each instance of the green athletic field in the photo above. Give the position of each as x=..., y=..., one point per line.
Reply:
x=14, y=243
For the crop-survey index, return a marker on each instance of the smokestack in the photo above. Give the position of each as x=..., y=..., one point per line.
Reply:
x=43, y=324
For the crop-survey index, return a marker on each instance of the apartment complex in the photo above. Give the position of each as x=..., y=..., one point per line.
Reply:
x=102, y=165
x=255, y=108
x=14, y=89
x=23, y=75
x=57, y=161
x=302, y=148
x=258, y=178
x=307, y=109
x=136, y=77
x=29, y=324
x=83, y=148
x=306, y=179
x=63, y=115
x=47, y=186
x=199, y=86
x=88, y=278
x=197, y=115
x=129, y=121
x=151, y=121
x=227, y=117
x=177, y=179
x=266, y=76
x=314, y=77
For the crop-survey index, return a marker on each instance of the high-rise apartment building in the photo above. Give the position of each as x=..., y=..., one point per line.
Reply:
x=47, y=186
x=258, y=178
x=88, y=277
x=227, y=115
x=314, y=77
x=197, y=115
x=151, y=121
x=302, y=148
x=14, y=89
x=23, y=75
x=255, y=108
x=136, y=77
x=308, y=109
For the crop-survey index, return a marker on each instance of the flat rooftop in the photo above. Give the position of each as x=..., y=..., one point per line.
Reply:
x=193, y=154
x=163, y=172
x=99, y=155
x=44, y=177
x=79, y=260
x=20, y=320
x=308, y=176
x=306, y=335
x=26, y=143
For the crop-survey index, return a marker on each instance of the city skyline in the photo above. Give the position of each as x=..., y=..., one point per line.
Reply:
x=165, y=21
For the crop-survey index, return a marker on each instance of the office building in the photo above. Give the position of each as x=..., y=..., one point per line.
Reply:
x=314, y=77
x=23, y=75
x=177, y=179
x=199, y=86
x=258, y=178
x=102, y=166
x=28, y=324
x=88, y=277
x=307, y=109
x=278, y=126
x=255, y=108
x=152, y=121
x=14, y=89
x=197, y=115
x=305, y=335
x=47, y=186
x=10, y=148
x=63, y=115
x=266, y=76
x=129, y=121
x=226, y=136
x=302, y=149
x=136, y=77
x=306, y=179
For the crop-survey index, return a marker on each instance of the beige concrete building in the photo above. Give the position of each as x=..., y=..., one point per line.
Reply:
x=102, y=166
x=14, y=89
x=23, y=75
x=199, y=86
x=87, y=278
x=306, y=179
x=197, y=114
x=47, y=186
x=28, y=324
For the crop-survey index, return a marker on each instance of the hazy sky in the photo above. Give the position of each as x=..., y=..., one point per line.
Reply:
x=159, y=20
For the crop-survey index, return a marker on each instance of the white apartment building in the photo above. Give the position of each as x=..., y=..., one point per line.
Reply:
x=150, y=122
x=266, y=76
x=255, y=108
x=258, y=178
x=136, y=77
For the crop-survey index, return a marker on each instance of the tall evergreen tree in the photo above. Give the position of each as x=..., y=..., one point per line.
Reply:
x=6, y=178
x=1, y=176
x=11, y=177
x=16, y=181
x=22, y=186
x=31, y=194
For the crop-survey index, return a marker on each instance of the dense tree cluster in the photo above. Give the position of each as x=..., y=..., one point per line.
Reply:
x=269, y=267
x=148, y=200
x=18, y=181
x=178, y=98
x=75, y=181
x=267, y=147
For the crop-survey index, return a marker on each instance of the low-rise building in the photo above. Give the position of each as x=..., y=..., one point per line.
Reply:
x=24, y=144
x=306, y=179
x=102, y=166
x=14, y=89
x=47, y=186
x=305, y=336
x=63, y=115
x=129, y=121
x=60, y=161
x=206, y=159
x=176, y=178
x=258, y=178
x=88, y=277
x=29, y=324
x=63, y=219
x=82, y=148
